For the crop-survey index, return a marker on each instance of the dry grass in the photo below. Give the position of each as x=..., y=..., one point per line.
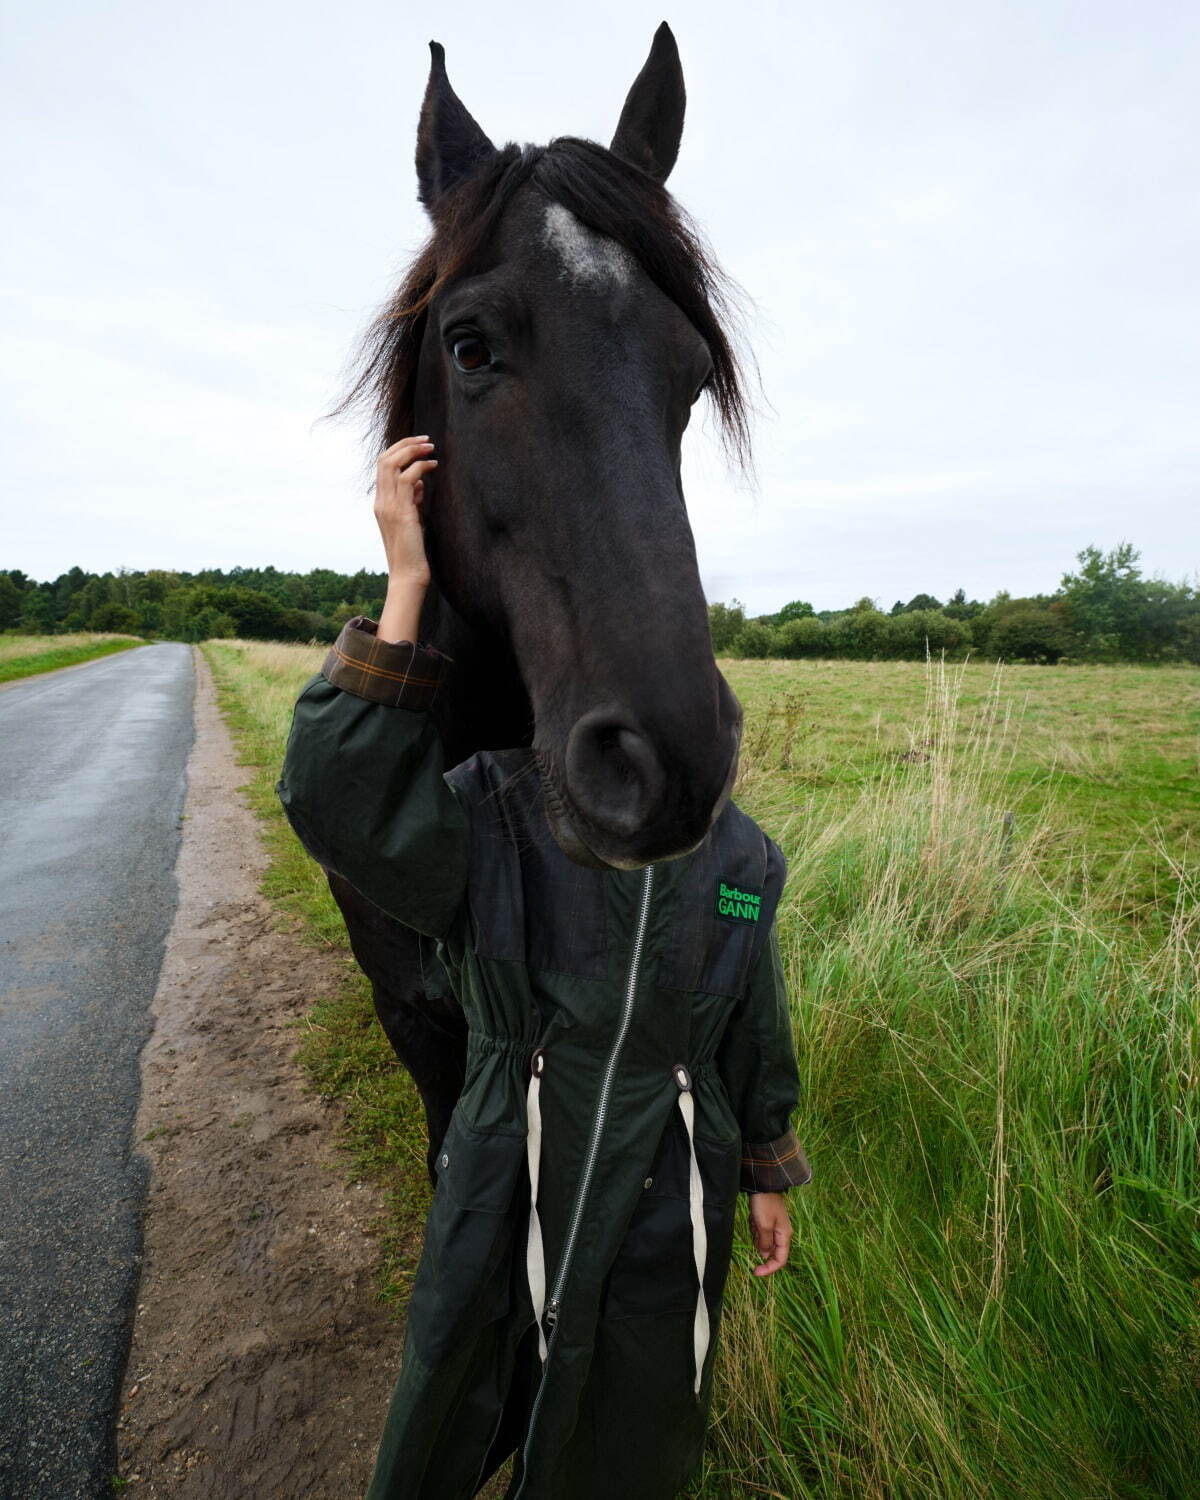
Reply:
x=17, y=647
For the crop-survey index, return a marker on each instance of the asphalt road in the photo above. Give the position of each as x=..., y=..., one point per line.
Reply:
x=92, y=779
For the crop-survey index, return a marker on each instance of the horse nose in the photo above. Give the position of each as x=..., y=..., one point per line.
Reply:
x=614, y=777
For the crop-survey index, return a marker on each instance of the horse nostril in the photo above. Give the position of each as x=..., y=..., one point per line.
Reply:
x=614, y=777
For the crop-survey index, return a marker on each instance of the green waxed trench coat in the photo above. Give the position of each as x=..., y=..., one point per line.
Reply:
x=541, y=954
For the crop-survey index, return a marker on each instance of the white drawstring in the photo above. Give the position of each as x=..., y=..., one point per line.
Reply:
x=700, y=1328
x=535, y=1255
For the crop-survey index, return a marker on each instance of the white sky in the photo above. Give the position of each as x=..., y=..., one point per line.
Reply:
x=971, y=233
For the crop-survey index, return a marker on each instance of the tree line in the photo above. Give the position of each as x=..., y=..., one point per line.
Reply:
x=253, y=603
x=1104, y=610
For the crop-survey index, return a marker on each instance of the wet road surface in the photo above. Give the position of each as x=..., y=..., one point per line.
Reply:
x=92, y=768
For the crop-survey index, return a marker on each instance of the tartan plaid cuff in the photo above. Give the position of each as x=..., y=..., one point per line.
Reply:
x=777, y=1165
x=401, y=674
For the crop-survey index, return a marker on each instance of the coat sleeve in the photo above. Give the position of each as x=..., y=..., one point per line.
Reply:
x=757, y=1063
x=362, y=782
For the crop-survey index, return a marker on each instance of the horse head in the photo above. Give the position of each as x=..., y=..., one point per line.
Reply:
x=553, y=337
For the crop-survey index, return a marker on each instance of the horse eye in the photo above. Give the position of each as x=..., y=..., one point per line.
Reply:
x=471, y=353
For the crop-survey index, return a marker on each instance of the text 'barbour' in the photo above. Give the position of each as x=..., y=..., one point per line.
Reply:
x=739, y=906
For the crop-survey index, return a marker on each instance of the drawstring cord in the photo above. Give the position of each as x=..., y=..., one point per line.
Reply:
x=700, y=1328
x=535, y=1255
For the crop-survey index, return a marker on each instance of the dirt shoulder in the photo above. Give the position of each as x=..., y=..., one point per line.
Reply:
x=261, y=1362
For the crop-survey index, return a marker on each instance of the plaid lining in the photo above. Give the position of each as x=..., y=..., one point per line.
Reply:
x=400, y=674
x=777, y=1165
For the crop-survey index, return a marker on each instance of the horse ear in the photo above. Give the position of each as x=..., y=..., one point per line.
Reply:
x=450, y=144
x=651, y=123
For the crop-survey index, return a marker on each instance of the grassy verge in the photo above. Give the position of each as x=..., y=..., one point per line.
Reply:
x=995, y=1284
x=995, y=1290
x=341, y=1046
x=28, y=655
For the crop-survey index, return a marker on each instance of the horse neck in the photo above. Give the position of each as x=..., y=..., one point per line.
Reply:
x=483, y=704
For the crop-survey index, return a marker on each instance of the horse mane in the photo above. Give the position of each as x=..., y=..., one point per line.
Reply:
x=607, y=194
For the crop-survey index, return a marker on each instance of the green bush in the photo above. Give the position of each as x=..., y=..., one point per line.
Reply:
x=802, y=636
x=1033, y=635
x=753, y=640
x=118, y=618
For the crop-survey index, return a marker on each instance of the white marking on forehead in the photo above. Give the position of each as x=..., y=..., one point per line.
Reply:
x=586, y=255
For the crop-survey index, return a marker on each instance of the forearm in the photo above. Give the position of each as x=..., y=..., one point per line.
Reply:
x=401, y=617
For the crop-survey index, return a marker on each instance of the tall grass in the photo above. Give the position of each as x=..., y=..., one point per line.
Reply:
x=27, y=655
x=995, y=1282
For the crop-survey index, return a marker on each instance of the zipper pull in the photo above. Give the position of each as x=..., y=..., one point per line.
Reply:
x=551, y=1314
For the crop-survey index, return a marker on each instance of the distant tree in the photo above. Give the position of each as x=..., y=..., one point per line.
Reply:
x=346, y=611
x=798, y=609
x=38, y=616
x=753, y=640
x=918, y=601
x=959, y=607
x=209, y=624
x=862, y=633
x=1170, y=615
x=11, y=603
x=915, y=632
x=1187, y=639
x=308, y=625
x=806, y=636
x=1105, y=603
x=1028, y=634
x=114, y=617
x=724, y=622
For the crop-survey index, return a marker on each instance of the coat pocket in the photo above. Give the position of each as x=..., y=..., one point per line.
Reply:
x=654, y=1270
x=463, y=1281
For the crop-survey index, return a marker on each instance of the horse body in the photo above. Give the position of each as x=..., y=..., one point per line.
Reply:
x=553, y=339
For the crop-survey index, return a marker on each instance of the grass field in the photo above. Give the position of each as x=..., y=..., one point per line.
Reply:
x=26, y=655
x=992, y=934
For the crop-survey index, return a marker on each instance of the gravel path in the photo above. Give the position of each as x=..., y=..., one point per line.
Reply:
x=262, y=1362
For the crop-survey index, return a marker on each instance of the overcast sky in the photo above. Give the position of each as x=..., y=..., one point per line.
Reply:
x=970, y=233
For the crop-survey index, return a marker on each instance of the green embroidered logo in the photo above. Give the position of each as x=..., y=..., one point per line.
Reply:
x=735, y=905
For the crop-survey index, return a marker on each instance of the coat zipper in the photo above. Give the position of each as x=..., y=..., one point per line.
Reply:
x=554, y=1301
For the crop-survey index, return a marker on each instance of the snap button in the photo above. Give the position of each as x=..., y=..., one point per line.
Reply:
x=445, y=1161
x=649, y=1182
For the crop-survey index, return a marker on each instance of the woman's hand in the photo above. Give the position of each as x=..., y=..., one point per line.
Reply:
x=771, y=1230
x=399, y=496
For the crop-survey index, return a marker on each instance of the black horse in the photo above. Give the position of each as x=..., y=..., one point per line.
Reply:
x=553, y=337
